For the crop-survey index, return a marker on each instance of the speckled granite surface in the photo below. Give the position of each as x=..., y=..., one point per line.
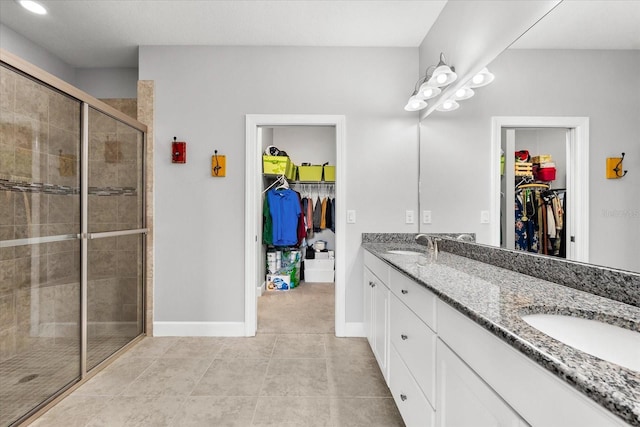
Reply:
x=495, y=298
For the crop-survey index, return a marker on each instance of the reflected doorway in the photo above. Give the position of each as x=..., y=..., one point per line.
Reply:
x=568, y=138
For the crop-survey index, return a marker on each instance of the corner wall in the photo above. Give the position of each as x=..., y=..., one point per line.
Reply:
x=38, y=56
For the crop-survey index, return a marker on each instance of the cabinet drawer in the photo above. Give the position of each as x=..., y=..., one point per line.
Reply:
x=419, y=299
x=415, y=342
x=413, y=406
x=377, y=266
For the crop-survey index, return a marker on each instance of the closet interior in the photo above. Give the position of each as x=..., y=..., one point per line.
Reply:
x=534, y=214
x=298, y=199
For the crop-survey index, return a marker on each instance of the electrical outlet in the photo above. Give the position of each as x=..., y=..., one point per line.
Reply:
x=351, y=217
x=408, y=218
x=484, y=217
x=426, y=217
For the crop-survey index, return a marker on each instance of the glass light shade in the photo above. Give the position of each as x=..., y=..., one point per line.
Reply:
x=415, y=104
x=448, y=105
x=442, y=76
x=463, y=93
x=428, y=92
x=33, y=7
x=483, y=78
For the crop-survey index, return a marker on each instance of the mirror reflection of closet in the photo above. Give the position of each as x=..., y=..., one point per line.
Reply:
x=523, y=224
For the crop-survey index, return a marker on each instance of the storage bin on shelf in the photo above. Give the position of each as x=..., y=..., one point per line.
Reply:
x=542, y=158
x=319, y=270
x=276, y=165
x=523, y=169
x=544, y=172
x=310, y=173
x=291, y=172
x=329, y=173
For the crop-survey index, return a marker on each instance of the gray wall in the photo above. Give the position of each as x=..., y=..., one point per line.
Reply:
x=38, y=56
x=98, y=82
x=544, y=83
x=108, y=82
x=202, y=97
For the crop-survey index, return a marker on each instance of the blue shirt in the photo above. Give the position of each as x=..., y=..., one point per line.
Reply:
x=284, y=207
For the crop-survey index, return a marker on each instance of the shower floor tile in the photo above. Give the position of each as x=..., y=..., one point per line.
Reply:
x=29, y=378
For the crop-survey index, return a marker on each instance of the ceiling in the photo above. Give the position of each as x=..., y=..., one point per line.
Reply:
x=586, y=24
x=101, y=33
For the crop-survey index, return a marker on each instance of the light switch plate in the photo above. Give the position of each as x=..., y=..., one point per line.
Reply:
x=426, y=217
x=408, y=217
x=484, y=217
x=351, y=217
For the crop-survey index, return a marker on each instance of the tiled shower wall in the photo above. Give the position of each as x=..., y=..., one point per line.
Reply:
x=115, y=203
x=39, y=284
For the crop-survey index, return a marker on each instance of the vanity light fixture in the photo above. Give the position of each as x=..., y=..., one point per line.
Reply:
x=448, y=105
x=428, y=86
x=483, y=78
x=443, y=75
x=463, y=93
x=415, y=103
x=435, y=80
x=33, y=7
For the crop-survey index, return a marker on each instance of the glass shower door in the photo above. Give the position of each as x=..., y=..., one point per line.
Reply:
x=40, y=287
x=115, y=230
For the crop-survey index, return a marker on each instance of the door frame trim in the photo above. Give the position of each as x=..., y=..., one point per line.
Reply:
x=577, y=175
x=253, y=209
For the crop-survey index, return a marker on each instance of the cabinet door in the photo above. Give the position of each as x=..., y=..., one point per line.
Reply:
x=381, y=326
x=412, y=404
x=463, y=399
x=369, y=282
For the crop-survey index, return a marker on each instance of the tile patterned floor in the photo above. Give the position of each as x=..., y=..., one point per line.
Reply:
x=295, y=372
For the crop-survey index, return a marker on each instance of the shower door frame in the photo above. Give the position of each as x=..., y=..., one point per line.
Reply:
x=86, y=101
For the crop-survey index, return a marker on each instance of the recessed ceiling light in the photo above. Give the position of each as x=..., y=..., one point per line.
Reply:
x=33, y=7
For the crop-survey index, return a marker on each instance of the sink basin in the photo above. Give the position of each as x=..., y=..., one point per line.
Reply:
x=399, y=252
x=608, y=342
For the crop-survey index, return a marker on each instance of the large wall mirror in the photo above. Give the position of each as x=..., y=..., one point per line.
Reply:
x=578, y=68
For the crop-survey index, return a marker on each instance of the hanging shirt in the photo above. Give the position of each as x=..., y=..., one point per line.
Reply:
x=267, y=223
x=309, y=217
x=284, y=207
x=323, y=214
x=329, y=214
x=317, y=215
x=302, y=229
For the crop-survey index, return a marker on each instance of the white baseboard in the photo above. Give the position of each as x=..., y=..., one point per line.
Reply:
x=261, y=289
x=354, y=329
x=198, y=329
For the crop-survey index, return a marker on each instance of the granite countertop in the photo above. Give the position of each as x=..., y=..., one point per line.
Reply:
x=496, y=297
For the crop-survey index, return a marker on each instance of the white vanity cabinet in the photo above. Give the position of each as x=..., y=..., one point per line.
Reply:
x=465, y=400
x=376, y=310
x=445, y=370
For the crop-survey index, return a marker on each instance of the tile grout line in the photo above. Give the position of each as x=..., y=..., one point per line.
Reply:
x=264, y=380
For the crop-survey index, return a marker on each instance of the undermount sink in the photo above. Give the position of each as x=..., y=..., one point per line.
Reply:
x=400, y=252
x=603, y=340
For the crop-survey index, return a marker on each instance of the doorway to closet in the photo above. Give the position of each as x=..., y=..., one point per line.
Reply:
x=314, y=139
x=526, y=200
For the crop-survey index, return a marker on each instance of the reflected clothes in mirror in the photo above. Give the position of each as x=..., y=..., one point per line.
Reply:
x=539, y=222
x=526, y=231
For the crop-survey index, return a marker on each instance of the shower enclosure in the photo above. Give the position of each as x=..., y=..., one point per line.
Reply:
x=72, y=236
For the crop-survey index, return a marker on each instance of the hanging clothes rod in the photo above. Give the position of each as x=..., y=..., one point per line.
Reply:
x=280, y=180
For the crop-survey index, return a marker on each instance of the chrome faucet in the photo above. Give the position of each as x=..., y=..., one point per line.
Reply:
x=432, y=242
